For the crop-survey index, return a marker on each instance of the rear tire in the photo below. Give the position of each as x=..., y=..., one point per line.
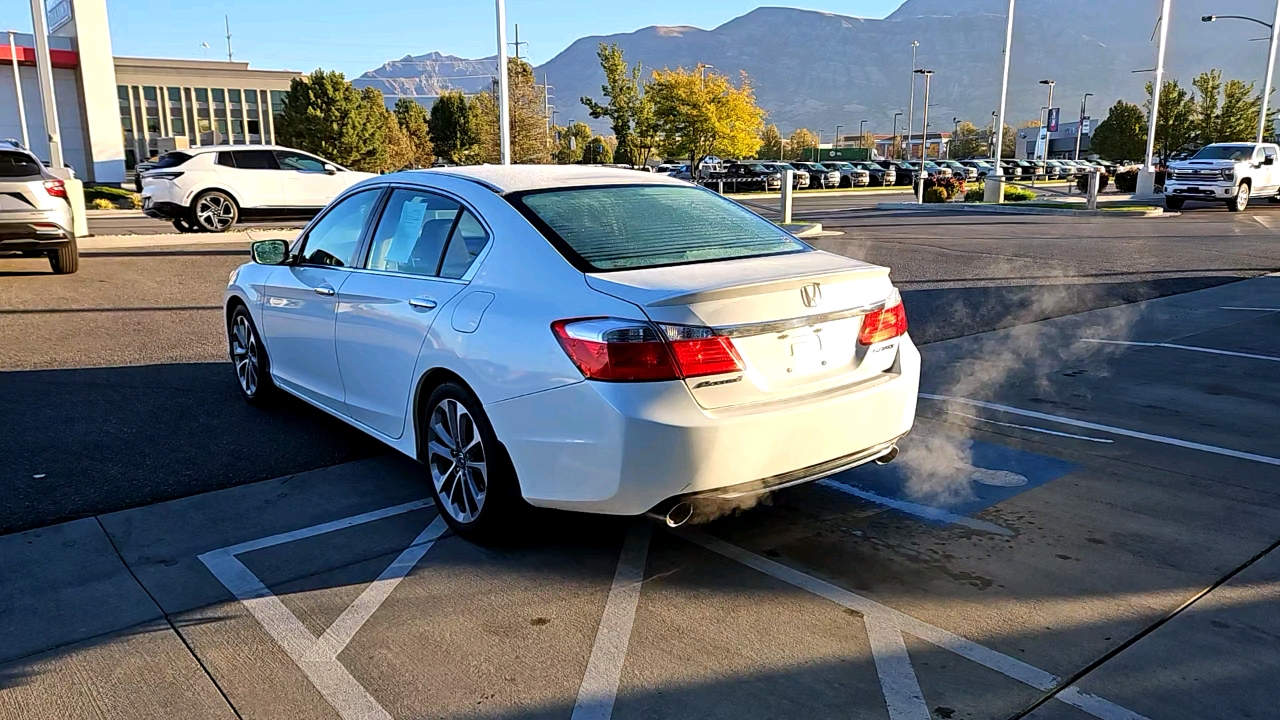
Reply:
x=1241, y=200
x=214, y=211
x=1174, y=203
x=184, y=225
x=66, y=259
x=472, y=480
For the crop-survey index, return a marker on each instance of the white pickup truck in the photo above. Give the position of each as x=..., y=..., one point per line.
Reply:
x=1231, y=173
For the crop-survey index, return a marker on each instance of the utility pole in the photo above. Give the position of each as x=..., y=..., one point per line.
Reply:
x=546, y=100
x=17, y=86
x=504, y=111
x=862, y=134
x=1147, y=176
x=44, y=71
x=924, y=149
x=1084, y=108
x=994, y=191
x=226, y=19
x=911, y=107
x=517, y=43
x=956, y=131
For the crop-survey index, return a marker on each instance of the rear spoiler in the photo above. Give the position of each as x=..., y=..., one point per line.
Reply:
x=729, y=291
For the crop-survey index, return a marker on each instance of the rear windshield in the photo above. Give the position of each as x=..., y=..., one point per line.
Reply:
x=1224, y=152
x=628, y=227
x=17, y=164
x=171, y=159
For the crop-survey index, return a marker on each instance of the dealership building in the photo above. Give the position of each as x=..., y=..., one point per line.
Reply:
x=113, y=112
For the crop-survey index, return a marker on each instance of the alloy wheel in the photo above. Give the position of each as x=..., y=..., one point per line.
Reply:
x=456, y=456
x=244, y=354
x=215, y=212
x=1242, y=198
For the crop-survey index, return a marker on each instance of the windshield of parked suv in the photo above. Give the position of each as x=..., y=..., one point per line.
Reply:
x=18, y=164
x=630, y=227
x=1234, y=153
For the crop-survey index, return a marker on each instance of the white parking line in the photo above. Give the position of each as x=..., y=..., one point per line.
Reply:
x=1107, y=429
x=599, y=687
x=317, y=657
x=1029, y=427
x=1172, y=346
x=901, y=689
x=927, y=512
x=1228, y=307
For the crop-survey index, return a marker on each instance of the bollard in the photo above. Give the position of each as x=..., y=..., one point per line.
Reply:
x=1095, y=181
x=785, y=210
x=720, y=186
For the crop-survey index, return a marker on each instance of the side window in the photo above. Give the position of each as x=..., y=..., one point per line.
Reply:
x=1269, y=153
x=332, y=241
x=412, y=233
x=466, y=242
x=297, y=161
x=253, y=159
x=226, y=159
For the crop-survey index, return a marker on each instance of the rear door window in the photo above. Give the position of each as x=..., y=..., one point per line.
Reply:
x=626, y=227
x=18, y=165
x=412, y=233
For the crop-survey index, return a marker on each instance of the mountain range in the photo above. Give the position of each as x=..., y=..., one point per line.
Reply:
x=816, y=69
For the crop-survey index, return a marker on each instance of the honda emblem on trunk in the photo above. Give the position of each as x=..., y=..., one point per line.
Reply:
x=811, y=295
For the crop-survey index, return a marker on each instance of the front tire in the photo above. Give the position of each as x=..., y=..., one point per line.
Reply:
x=66, y=259
x=249, y=358
x=1241, y=200
x=1174, y=203
x=214, y=211
x=473, y=483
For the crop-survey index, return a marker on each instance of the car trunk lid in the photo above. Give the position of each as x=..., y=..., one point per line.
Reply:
x=794, y=320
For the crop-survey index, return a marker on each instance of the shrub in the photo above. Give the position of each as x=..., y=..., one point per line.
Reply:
x=102, y=203
x=950, y=187
x=975, y=195
x=1082, y=182
x=1013, y=193
x=935, y=195
x=135, y=201
x=1127, y=181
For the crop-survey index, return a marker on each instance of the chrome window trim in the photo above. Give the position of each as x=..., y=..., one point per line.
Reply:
x=775, y=326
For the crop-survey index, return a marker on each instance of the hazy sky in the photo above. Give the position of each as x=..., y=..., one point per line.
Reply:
x=354, y=36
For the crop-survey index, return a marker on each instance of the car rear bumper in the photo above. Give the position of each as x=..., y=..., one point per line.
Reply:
x=18, y=235
x=624, y=448
x=164, y=211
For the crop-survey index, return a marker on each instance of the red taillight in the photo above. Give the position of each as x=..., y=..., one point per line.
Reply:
x=630, y=351
x=884, y=324
x=56, y=188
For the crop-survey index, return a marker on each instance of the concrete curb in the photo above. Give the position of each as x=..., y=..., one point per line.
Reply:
x=1007, y=209
x=122, y=214
x=106, y=242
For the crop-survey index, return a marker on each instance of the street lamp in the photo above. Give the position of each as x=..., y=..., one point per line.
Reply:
x=1084, y=107
x=836, y=142
x=924, y=149
x=862, y=134
x=504, y=111
x=896, y=155
x=954, y=131
x=994, y=190
x=704, y=69
x=911, y=108
x=1274, y=27
x=1048, y=110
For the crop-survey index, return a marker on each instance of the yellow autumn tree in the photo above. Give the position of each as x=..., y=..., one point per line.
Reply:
x=698, y=113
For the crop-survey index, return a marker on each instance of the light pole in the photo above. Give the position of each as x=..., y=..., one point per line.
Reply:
x=1147, y=176
x=44, y=73
x=504, y=111
x=991, y=138
x=1274, y=27
x=896, y=155
x=836, y=142
x=994, y=191
x=1084, y=107
x=1047, y=112
x=862, y=134
x=911, y=108
x=924, y=154
x=704, y=69
x=17, y=86
x=954, y=131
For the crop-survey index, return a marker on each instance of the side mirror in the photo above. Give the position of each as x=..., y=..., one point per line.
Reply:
x=1269, y=161
x=270, y=252
x=331, y=168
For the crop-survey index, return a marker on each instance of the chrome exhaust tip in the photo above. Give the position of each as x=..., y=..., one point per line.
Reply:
x=677, y=515
x=888, y=457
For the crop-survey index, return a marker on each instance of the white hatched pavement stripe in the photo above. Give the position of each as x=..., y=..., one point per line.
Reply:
x=1192, y=348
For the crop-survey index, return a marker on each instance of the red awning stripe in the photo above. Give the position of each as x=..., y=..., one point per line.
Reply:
x=27, y=56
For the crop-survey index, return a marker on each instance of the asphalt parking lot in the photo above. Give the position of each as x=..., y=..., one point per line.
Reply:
x=1084, y=523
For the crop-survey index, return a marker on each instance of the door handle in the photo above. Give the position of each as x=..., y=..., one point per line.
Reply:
x=325, y=290
x=423, y=303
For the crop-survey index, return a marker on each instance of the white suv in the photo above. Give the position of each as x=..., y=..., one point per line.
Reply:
x=35, y=212
x=210, y=189
x=1224, y=172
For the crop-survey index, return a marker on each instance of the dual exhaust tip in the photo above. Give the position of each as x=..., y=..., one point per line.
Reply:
x=681, y=511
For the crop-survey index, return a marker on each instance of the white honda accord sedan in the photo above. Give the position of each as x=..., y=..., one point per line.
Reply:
x=589, y=339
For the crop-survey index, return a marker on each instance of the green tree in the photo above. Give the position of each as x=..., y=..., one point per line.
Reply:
x=1174, y=125
x=530, y=135
x=969, y=141
x=1008, y=142
x=572, y=141
x=323, y=114
x=770, y=143
x=1123, y=135
x=598, y=150
x=1240, y=107
x=800, y=142
x=627, y=106
x=1207, y=115
x=412, y=118
x=697, y=116
x=452, y=129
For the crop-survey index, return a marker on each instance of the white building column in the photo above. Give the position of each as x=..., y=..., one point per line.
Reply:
x=104, y=133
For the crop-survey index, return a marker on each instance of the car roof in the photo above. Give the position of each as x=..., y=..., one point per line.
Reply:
x=517, y=178
x=217, y=148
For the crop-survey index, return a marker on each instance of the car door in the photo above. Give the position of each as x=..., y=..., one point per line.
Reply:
x=1270, y=171
x=419, y=258
x=252, y=176
x=305, y=182
x=300, y=301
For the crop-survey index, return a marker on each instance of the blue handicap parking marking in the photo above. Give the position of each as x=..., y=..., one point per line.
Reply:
x=997, y=473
